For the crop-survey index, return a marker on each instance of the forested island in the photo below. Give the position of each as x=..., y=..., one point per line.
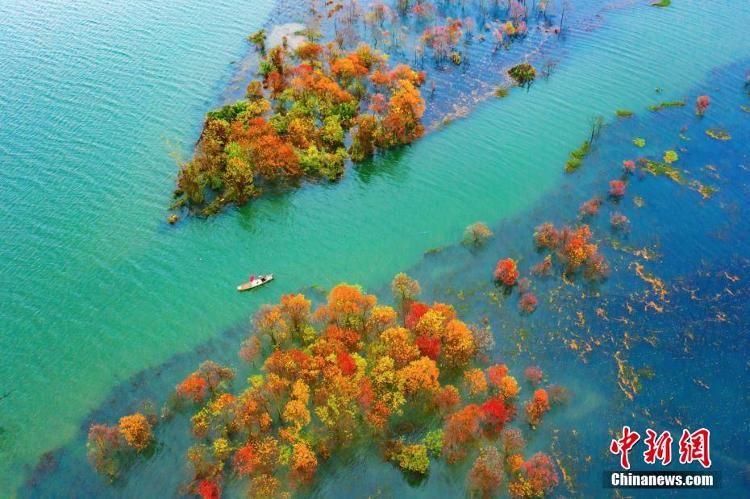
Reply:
x=348, y=84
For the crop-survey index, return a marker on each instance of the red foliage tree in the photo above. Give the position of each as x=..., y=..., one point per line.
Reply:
x=102, y=447
x=575, y=247
x=543, y=268
x=447, y=398
x=701, y=104
x=528, y=303
x=506, y=272
x=346, y=363
x=209, y=490
x=558, y=394
x=274, y=159
x=244, y=460
x=402, y=123
x=618, y=221
x=590, y=207
x=416, y=311
x=496, y=373
x=537, y=407
x=428, y=346
x=533, y=375
x=486, y=475
x=546, y=236
x=194, y=387
x=616, y=188
x=495, y=413
x=596, y=268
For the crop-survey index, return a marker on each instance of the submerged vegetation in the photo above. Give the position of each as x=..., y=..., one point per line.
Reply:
x=718, y=134
x=657, y=169
x=412, y=385
x=572, y=248
x=477, y=234
x=666, y=105
x=623, y=113
x=577, y=156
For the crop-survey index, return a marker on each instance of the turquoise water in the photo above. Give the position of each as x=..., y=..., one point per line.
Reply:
x=96, y=287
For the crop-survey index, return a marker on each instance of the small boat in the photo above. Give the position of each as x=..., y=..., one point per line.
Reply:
x=255, y=281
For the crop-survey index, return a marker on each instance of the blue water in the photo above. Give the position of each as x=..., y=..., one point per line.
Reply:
x=96, y=288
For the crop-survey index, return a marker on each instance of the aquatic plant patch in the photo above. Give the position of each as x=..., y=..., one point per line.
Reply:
x=666, y=105
x=718, y=134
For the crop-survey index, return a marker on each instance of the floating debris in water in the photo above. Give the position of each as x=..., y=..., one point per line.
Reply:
x=627, y=377
x=701, y=383
x=657, y=284
x=658, y=169
x=645, y=253
x=705, y=190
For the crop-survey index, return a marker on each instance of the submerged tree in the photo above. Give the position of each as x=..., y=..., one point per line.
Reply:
x=477, y=234
x=571, y=247
x=523, y=74
x=486, y=475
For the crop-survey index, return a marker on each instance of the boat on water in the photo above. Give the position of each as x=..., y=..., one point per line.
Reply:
x=255, y=281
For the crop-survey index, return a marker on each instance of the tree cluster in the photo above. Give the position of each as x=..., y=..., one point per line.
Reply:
x=410, y=381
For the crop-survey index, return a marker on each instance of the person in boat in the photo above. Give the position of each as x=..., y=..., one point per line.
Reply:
x=252, y=278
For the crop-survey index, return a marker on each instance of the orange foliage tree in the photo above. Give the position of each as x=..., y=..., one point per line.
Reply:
x=136, y=430
x=295, y=122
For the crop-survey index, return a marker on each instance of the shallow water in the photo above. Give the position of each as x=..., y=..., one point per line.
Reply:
x=96, y=287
